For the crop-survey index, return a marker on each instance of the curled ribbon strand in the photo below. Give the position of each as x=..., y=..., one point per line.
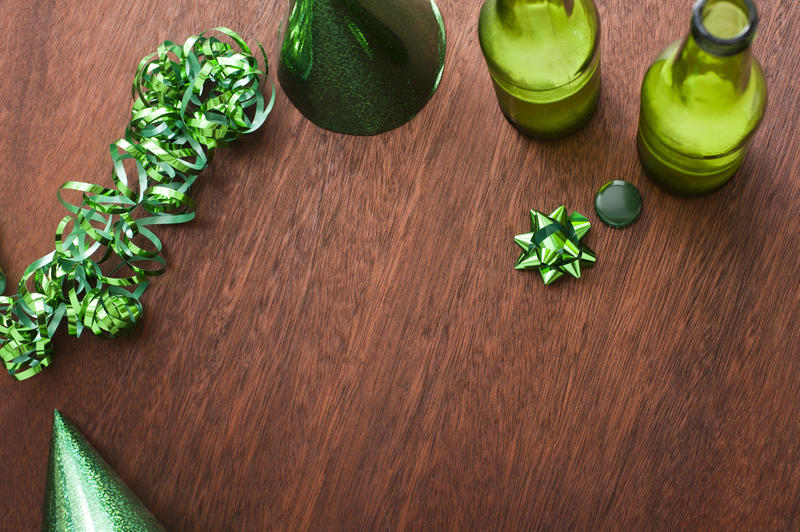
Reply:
x=188, y=100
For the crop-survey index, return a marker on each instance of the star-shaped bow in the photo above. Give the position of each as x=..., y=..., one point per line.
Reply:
x=553, y=246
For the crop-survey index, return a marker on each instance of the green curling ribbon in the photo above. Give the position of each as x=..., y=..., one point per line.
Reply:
x=189, y=99
x=554, y=245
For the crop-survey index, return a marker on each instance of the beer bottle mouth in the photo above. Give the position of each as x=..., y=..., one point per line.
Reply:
x=724, y=27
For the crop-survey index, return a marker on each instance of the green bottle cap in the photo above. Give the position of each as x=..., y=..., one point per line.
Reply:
x=618, y=203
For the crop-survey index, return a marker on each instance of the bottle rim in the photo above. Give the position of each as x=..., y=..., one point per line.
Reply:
x=717, y=45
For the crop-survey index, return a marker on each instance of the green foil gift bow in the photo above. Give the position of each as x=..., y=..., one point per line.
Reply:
x=554, y=245
x=189, y=99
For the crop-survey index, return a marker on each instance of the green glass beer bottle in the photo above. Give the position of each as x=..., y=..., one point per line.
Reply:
x=544, y=60
x=703, y=100
x=361, y=67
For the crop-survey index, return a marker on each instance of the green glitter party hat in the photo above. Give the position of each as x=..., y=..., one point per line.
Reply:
x=361, y=67
x=84, y=493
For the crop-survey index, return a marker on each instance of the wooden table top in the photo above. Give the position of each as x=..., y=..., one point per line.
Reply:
x=341, y=340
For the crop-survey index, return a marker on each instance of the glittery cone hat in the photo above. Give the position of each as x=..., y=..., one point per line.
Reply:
x=83, y=493
x=361, y=66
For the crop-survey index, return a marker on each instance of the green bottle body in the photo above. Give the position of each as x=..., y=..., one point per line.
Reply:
x=361, y=67
x=544, y=60
x=702, y=101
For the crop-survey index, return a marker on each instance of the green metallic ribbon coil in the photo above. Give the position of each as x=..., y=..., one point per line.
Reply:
x=188, y=100
x=554, y=245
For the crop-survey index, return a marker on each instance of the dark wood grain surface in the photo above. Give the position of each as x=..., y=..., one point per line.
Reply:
x=341, y=341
